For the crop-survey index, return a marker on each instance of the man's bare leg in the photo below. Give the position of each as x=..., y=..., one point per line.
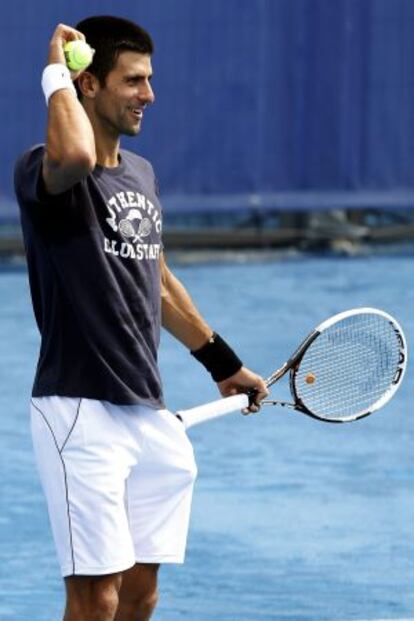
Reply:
x=92, y=598
x=138, y=595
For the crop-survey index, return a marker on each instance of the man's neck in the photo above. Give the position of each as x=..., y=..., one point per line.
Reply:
x=106, y=142
x=107, y=151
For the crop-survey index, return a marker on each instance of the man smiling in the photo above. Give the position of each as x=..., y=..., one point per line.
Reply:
x=117, y=468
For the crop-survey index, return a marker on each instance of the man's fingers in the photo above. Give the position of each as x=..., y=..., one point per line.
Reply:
x=66, y=33
x=252, y=409
x=259, y=392
x=247, y=382
x=261, y=395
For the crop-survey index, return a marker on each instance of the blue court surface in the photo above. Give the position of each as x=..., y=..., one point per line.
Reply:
x=293, y=519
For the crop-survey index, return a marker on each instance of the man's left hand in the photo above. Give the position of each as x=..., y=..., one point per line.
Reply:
x=245, y=381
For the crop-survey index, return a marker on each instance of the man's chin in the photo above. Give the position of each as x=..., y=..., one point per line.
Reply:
x=131, y=131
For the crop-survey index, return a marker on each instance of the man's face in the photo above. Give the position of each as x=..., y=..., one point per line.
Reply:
x=120, y=104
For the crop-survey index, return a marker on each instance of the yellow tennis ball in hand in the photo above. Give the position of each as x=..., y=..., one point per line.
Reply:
x=78, y=55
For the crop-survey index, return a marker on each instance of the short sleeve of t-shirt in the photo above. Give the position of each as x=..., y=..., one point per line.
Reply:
x=28, y=179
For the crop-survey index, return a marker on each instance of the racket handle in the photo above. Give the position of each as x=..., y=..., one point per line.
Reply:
x=214, y=409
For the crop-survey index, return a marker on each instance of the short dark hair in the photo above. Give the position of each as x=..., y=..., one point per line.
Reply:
x=109, y=36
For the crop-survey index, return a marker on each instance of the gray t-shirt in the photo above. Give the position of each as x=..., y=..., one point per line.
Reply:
x=93, y=259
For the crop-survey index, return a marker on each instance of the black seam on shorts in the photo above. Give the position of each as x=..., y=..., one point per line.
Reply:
x=72, y=428
x=47, y=424
x=72, y=552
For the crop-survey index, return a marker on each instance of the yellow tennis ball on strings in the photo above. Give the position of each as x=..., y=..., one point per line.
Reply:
x=310, y=378
x=78, y=55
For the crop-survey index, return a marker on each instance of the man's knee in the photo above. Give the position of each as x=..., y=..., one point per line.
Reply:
x=139, y=607
x=148, y=601
x=105, y=603
x=139, y=593
x=92, y=598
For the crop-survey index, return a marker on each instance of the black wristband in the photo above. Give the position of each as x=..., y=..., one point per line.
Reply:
x=218, y=358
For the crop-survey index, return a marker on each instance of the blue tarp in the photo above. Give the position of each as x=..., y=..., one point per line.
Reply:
x=254, y=97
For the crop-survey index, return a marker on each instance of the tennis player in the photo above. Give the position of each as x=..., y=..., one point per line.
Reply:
x=117, y=468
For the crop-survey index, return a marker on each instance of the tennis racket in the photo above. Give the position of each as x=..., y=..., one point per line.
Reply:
x=346, y=368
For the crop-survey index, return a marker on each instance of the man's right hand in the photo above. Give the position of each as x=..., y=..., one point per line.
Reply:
x=62, y=35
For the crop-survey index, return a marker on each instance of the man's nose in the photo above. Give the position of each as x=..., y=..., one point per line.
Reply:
x=147, y=94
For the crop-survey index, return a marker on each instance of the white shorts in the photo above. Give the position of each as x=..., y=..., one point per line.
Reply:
x=118, y=482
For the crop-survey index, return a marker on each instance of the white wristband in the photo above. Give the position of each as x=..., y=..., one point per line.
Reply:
x=55, y=77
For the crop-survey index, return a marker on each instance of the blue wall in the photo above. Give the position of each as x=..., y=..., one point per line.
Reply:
x=252, y=95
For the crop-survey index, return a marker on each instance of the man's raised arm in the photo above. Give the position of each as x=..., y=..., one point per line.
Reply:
x=70, y=145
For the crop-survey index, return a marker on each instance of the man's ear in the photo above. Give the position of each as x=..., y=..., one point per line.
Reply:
x=88, y=84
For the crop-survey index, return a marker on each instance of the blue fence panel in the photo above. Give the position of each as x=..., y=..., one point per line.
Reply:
x=254, y=97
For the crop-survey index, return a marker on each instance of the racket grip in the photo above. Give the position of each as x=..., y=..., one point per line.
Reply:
x=214, y=409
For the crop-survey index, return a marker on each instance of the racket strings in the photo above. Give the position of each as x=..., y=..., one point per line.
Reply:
x=351, y=365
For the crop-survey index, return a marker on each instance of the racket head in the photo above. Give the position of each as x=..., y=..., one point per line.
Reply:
x=353, y=364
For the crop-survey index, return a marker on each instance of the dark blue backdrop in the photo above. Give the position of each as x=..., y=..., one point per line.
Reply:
x=253, y=96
